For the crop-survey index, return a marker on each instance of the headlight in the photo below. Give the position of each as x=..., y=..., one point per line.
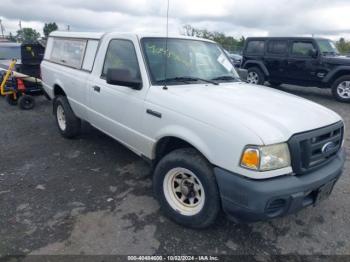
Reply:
x=264, y=158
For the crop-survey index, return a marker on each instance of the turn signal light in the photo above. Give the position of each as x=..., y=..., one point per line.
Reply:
x=251, y=158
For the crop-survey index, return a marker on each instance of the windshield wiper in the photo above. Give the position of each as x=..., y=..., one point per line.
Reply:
x=186, y=79
x=225, y=78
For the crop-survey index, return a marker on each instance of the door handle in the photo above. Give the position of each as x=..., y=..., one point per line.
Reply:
x=97, y=89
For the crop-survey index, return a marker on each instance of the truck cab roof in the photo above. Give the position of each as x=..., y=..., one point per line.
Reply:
x=100, y=35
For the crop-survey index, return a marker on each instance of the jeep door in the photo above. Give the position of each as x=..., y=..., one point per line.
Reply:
x=303, y=62
x=276, y=59
x=118, y=110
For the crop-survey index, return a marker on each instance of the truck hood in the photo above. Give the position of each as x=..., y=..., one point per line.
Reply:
x=337, y=60
x=271, y=114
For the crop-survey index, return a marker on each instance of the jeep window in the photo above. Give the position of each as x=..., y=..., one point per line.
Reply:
x=188, y=61
x=68, y=52
x=256, y=47
x=121, y=54
x=10, y=52
x=278, y=47
x=327, y=47
x=302, y=49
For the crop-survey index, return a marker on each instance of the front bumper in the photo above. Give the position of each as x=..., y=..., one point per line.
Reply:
x=247, y=200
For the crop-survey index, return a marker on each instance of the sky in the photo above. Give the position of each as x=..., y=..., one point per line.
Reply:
x=237, y=18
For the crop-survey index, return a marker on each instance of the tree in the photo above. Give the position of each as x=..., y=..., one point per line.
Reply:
x=27, y=35
x=227, y=42
x=49, y=27
x=343, y=46
x=11, y=37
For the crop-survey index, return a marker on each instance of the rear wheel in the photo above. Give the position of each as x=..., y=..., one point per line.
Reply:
x=255, y=76
x=186, y=188
x=26, y=102
x=341, y=89
x=68, y=124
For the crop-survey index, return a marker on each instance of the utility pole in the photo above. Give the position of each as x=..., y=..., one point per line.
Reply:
x=20, y=25
x=68, y=27
x=2, y=29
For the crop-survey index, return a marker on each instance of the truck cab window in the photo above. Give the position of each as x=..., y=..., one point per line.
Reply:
x=121, y=55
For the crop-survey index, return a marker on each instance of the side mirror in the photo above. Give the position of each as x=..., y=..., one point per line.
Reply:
x=122, y=77
x=313, y=53
x=243, y=74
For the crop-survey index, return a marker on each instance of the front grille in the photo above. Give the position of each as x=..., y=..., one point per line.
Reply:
x=313, y=149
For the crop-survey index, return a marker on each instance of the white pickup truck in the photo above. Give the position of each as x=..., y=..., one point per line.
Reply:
x=215, y=142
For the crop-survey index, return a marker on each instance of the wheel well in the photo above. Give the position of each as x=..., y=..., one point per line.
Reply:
x=168, y=144
x=251, y=65
x=339, y=74
x=58, y=91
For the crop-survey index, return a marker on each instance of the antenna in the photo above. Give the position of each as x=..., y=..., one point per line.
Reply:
x=166, y=45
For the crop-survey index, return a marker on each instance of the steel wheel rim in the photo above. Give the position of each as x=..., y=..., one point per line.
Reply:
x=343, y=89
x=61, y=118
x=183, y=191
x=253, y=78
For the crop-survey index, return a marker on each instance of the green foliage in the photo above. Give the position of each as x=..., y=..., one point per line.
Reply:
x=11, y=37
x=228, y=42
x=49, y=27
x=343, y=46
x=27, y=36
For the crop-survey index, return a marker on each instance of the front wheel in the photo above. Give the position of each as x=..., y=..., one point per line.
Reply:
x=341, y=89
x=186, y=188
x=255, y=76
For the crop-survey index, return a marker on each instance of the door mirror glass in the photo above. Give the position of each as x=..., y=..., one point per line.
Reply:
x=122, y=77
x=243, y=74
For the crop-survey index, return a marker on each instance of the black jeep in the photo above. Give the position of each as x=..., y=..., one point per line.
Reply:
x=304, y=61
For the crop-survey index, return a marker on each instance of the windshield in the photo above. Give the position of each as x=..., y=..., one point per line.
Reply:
x=10, y=52
x=327, y=47
x=188, y=61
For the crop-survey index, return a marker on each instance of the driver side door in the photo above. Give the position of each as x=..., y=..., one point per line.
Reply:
x=117, y=110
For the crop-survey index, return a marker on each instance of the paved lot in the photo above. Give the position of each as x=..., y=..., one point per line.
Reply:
x=93, y=196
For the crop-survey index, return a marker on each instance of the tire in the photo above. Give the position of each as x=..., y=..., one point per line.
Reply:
x=341, y=89
x=68, y=124
x=199, y=183
x=11, y=100
x=255, y=76
x=26, y=102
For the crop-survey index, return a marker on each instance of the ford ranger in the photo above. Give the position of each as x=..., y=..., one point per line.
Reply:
x=215, y=142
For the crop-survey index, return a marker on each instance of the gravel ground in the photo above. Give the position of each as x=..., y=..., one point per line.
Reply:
x=91, y=195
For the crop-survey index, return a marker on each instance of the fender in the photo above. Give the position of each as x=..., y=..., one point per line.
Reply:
x=188, y=136
x=259, y=63
x=332, y=73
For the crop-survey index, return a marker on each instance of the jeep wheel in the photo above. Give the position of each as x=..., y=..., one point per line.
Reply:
x=186, y=188
x=341, y=89
x=255, y=76
x=68, y=124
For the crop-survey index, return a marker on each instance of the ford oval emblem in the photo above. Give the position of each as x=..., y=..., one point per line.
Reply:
x=328, y=147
